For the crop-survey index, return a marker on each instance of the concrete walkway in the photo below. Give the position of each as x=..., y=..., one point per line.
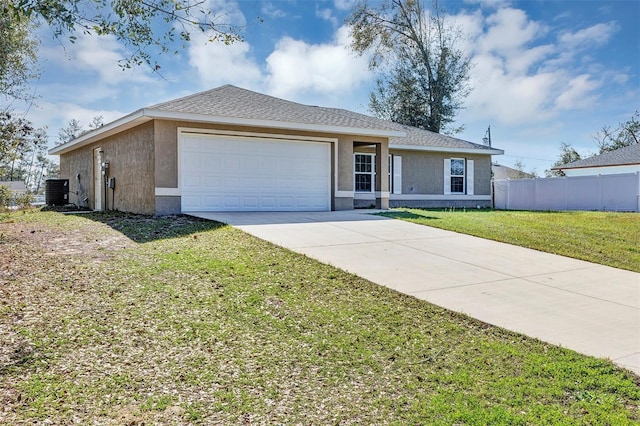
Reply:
x=590, y=308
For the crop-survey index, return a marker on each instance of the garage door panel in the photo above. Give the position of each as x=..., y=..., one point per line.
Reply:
x=225, y=173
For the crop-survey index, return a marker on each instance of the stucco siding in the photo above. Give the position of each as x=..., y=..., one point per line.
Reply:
x=423, y=172
x=77, y=166
x=166, y=148
x=130, y=156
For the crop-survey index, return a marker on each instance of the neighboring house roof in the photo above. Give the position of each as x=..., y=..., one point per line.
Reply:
x=16, y=185
x=233, y=105
x=504, y=172
x=628, y=155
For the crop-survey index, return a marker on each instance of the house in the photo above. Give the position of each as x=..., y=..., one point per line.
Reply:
x=623, y=160
x=231, y=149
x=17, y=188
x=499, y=171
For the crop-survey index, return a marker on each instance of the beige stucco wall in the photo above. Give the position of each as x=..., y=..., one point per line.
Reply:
x=146, y=157
x=130, y=155
x=166, y=148
x=423, y=172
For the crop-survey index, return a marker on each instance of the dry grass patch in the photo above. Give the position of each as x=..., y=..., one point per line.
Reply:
x=182, y=321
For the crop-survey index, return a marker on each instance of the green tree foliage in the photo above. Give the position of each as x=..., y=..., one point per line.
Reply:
x=519, y=167
x=6, y=198
x=568, y=154
x=22, y=150
x=17, y=53
x=72, y=131
x=625, y=134
x=145, y=27
x=423, y=75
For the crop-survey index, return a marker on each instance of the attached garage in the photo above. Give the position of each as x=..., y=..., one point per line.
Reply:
x=220, y=172
x=231, y=149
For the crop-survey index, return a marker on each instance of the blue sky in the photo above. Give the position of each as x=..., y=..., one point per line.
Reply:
x=544, y=72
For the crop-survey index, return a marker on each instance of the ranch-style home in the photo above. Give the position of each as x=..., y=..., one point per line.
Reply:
x=231, y=149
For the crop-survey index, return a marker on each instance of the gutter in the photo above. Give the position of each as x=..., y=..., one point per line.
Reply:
x=490, y=151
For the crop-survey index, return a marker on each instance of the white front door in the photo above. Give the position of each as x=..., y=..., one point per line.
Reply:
x=242, y=173
x=98, y=180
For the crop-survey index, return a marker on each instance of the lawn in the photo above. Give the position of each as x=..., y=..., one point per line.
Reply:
x=124, y=319
x=607, y=238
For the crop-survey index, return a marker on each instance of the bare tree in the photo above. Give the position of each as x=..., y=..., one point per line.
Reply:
x=627, y=133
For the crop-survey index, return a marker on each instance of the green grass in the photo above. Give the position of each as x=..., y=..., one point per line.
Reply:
x=611, y=239
x=180, y=321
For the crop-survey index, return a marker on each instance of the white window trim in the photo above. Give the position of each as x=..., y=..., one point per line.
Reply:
x=468, y=178
x=372, y=173
x=463, y=176
x=394, y=173
x=397, y=175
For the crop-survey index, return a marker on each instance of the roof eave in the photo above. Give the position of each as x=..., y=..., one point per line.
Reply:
x=594, y=166
x=250, y=122
x=485, y=151
x=143, y=115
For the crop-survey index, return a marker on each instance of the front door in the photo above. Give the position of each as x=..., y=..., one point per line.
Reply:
x=98, y=180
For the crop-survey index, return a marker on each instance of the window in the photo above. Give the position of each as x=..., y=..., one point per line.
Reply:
x=457, y=176
x=365, y=172
x=365, y=169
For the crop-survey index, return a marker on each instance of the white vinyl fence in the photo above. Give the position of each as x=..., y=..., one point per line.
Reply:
x=602, y=192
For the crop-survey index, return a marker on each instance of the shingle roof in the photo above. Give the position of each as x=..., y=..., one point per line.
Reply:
x=504, y=172
x=14, y=185
x=623, y=156
x=233, y=105
x=231, y=101
x=425, y=138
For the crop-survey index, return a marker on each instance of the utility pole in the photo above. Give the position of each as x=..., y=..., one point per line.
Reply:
x=487, y=137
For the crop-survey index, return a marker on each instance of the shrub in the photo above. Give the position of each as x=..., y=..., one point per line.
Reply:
x=5, y=198
x=25, y=201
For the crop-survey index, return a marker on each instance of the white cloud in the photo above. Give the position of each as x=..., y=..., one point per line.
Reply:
x=509, y=29
x=508, y=98
x=596, y=35
x=344, y=4
x=96, y=54
x=490, y=4
x=270, y=10
x=331, y=68
x=516, y=79
x=327, y=15
x=579, y=93
x=57, y=115
x=217, y=63
x=84, y=115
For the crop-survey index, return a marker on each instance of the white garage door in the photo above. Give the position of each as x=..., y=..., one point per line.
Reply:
x=228, y=173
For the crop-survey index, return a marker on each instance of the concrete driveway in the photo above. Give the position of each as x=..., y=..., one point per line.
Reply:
x=590, y=308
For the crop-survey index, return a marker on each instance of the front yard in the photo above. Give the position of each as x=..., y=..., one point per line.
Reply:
x=607, y=238
x=123, y=319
